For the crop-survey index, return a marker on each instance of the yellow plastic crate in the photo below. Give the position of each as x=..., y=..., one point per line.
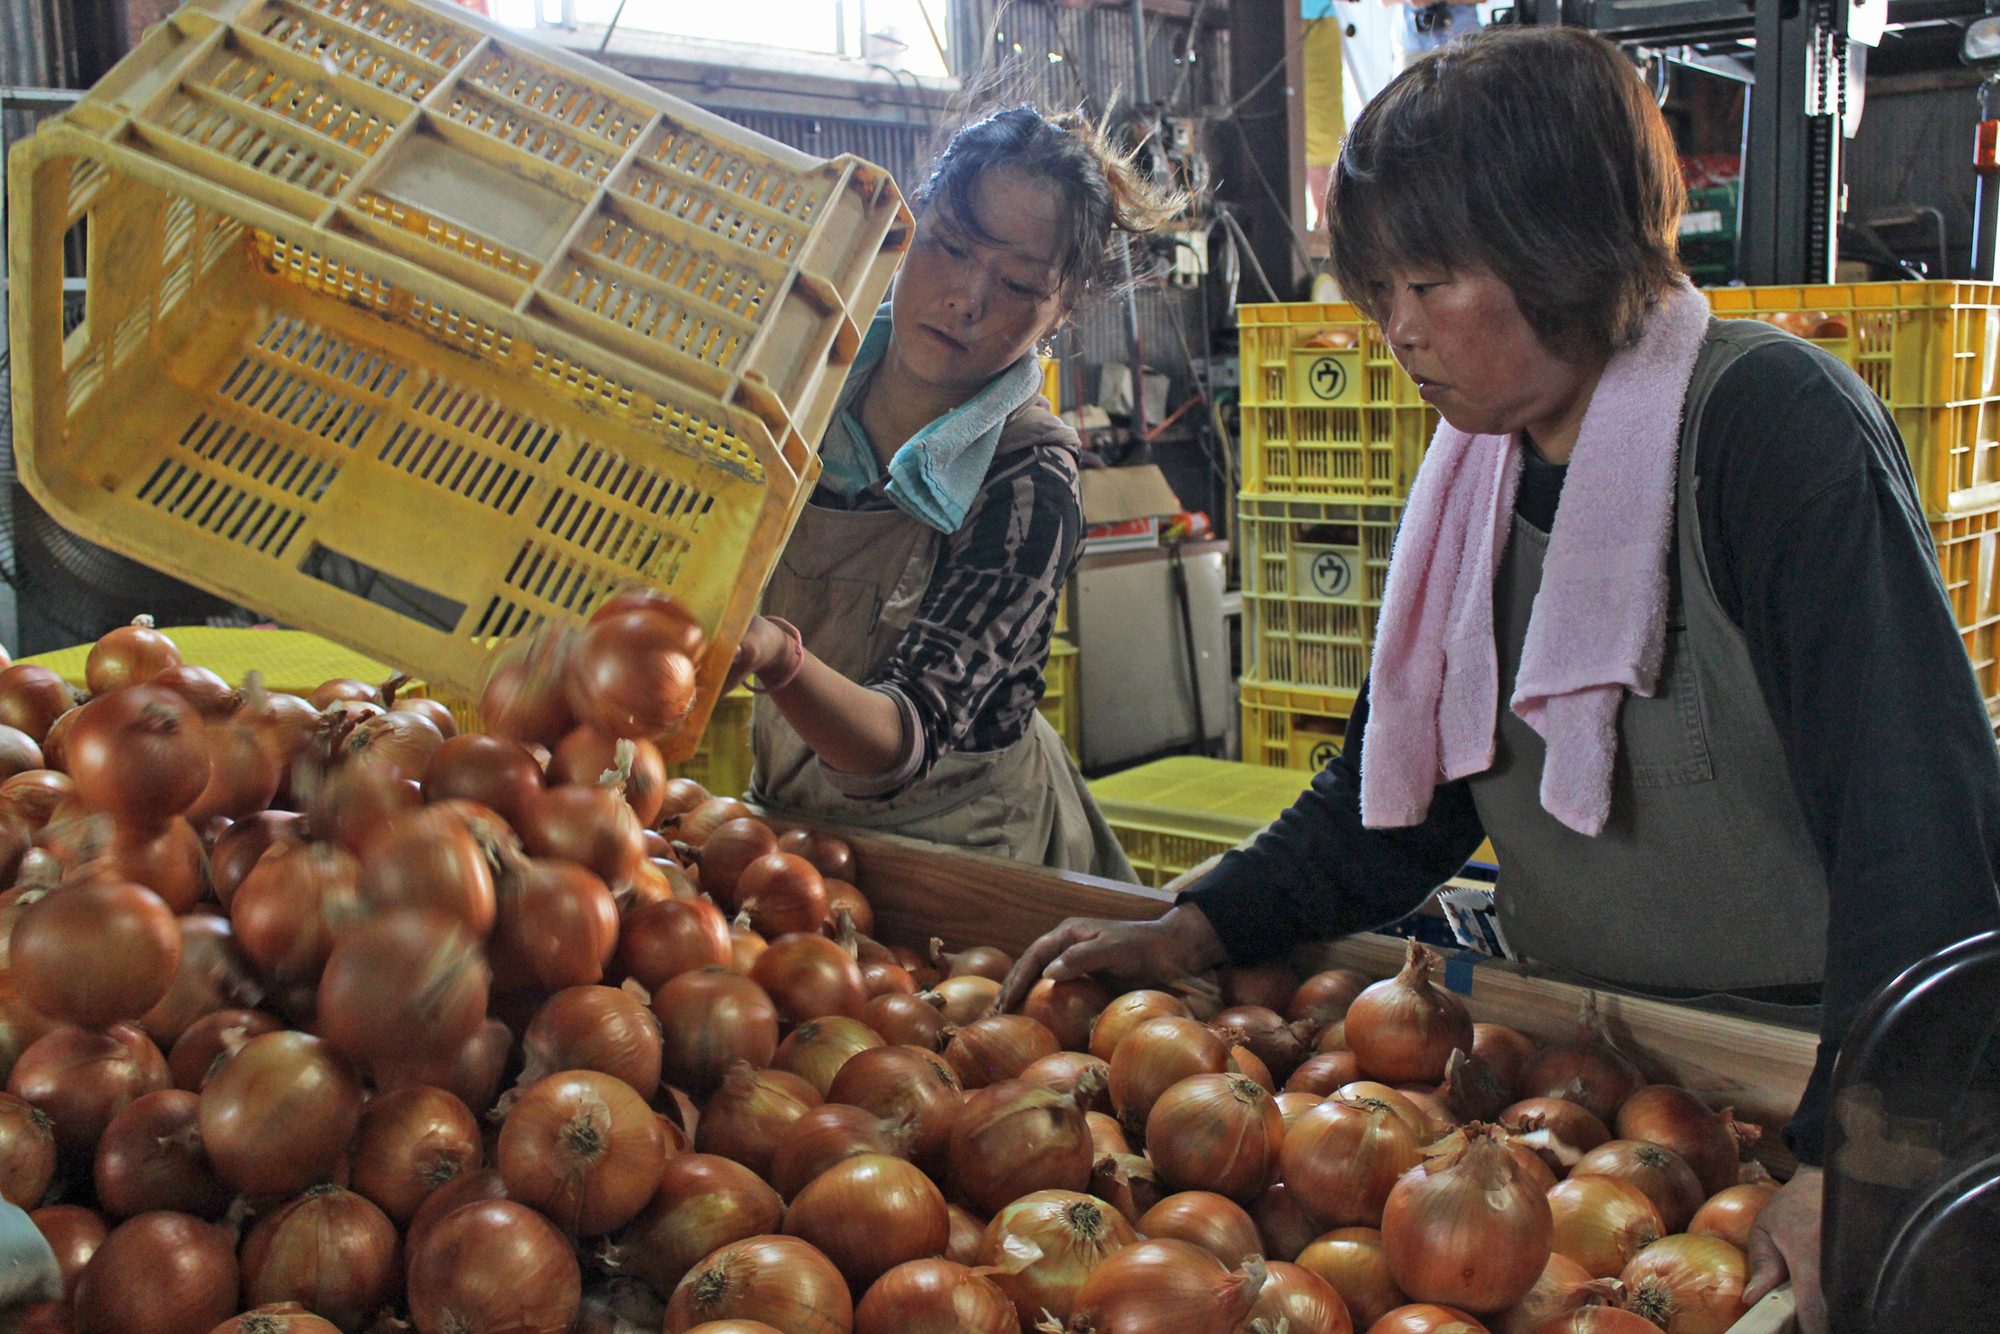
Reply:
x=1930, y=351
x=1313, y=574
x=1966, y=547
x=1061, y=698
x=1052, y=382
x=405, y=330
x=1173, y=814
x=292, y=661
x=721, y=761
x=1289, y=728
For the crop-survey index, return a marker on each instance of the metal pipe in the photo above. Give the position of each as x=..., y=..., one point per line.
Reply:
x=1187, y=644
x=1142, y=91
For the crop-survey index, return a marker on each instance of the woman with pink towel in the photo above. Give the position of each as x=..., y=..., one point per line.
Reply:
x=1664, y=620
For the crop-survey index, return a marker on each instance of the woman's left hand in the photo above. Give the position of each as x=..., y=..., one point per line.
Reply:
x=1784, y=1241
x=764, y=649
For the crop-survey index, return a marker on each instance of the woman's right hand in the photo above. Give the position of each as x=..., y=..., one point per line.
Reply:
x=1178, y=945
x=763, y=648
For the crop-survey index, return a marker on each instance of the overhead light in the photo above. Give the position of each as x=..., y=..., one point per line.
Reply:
x=1982, y=41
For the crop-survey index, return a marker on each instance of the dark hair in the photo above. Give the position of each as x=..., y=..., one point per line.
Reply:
x=1536, y=153
x=1101, y=192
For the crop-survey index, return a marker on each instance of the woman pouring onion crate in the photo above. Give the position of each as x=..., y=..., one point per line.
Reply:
x=1664, y=620
x=900, y=655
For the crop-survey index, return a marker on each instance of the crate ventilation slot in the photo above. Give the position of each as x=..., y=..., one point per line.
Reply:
x=483, y=419
x=707, y=162
x=421, y=35
x=532, y=135
x=312, y=348
x=278, y=466
x=312, y=106
x=457, y=468
x=289, y=397
x=685, y=202
x=737, y=289
x=649, y=313
x=641, y=488
x=227, y=511
x=219, y=131
x=553, y=94
x=604, y=533
x=563, y=582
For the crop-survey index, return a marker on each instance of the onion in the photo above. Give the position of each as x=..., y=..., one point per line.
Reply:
x=660, y=941
x=285, y=910
x=586, y=755
x=711, y=1020
x=782, y=894
x=881, y=979
x=1298, y=1301
x=19, y=753
x=583, y=1148
x=165, y=859
x=1219, y=1133
x=278, y=1115
x=1324, y=1073
x=904, y=1019
x=1155, y=1056
x=1106, y=1135
x=1244, y=1062
x=696, y=825
x=1207, y=1220
x=73, y=1233
x=1521, y=1148
x=1602, y=1222
x=594, y=1028
x=27, y=1152
x=1599, y=1320
x=1426, y=1318
x=1128, y=1183
x=1469, y=1229
x=1730, y=1213
x=1324, y=997
x=471, y=1188
x=1068, y=1009
x=1332, y=1038
x=746, y=947
x=81, y=1078
x=1283, y=1228
x=591, y=826
x=966, y=1230
x=996, y=1048
x=678, y=797
x=935, y=1297
x=329, y=1250
x=1687, y=1284
x=1589, y=1070
x=471, y=1074
x=1507, y=1052
x=631, y=676
x=32, y=698
x=495, y=1267
x=1126, y=1013
x=1353, y=1264
x=1660, y=1173
x=780, y=1281
x=523, y=699
x=830, y=1134
x=1045, y=1244
x=341, y=690
x=843, y=900
x=817, y=1049
x=96, y=951
x=1563, y=1287
x=1014, y=1138
x=131, y=655
x=868, y=1214
x=960, y=1000
x=975, y=961
x=1673, y=1118
x=1293, y=1104
x=34, y=794
x=406, y=985
x=212, y=974
x=905, y=1085
x=1153, y=1287
x=1268, y=986
x=1403, y=1029
x=495, y=772
x=750, y=1113
x=139, y=755
x=639, y=597
x=151, y=1157
x=1061, y=1070
x=159, y=1273
x=428, y=859
x=703, y=1204
x=830, y=856
x=279, y=1318
x=1438, y=1120
x=557, y=926
x=728, y=853
x=1341, y=1159
x=1573, y=1129
x=1281, y=1047
x=243, y=774
x=810, y=977
x=411, y=1142
x=209, y=1038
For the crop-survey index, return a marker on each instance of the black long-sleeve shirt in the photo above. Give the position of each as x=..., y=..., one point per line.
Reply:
x=1819, y=552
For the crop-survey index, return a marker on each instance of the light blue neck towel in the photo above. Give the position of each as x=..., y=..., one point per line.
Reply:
x=935, y=476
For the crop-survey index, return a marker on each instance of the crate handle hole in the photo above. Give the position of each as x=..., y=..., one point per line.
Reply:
x=384, y=590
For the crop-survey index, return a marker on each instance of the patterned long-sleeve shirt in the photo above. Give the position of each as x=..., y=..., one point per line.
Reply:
x=968, y=671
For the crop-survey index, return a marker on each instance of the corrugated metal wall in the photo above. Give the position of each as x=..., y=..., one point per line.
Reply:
x=1916, y=148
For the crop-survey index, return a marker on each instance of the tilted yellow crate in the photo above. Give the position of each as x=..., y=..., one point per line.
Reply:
x=405, y=330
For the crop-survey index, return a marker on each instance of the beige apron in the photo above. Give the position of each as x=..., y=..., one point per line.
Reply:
x=852, y=581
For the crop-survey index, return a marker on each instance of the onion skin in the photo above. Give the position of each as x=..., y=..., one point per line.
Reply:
x=703, y=1204
x=1155, y=1056
x=710, y=1020
x=1469, y=1230
x=935, y=1297
x=749, y=1114
x=1206, y=1221
x=1601, y=1222
x=1166, y=1285
x=996, y=1048
x=1687, y=1284
x=810, y=977
x=138, y=755
x=816, y=1050
x=1302, y=1299
x=781, y=1281
x=1661, y=1173
x=495, y=1267
x=905, y=1084
x=1061, y=1072
x=904, y=1020
x=584, y=1149
x=159, y=1273
x=411, y=1142
x=1324, y=997
x=1673, y=1118
x=279, y=1114
x=585, y=755
x=1426, y=1318
x=1403, y=1029
x=1127, y=1012
x=27, y=1152
x=1730, y=1213
x=195, y=1056
x=868, y=1214
x=407, y=985
x=151, y=1158
x=1341, y=1159
x=95, y=952
x=658, y=942
x=1352, y=1262
x=1068, y=1009
x=1283, y=1227
x=1044, y=1245
x=82, y=1078
x=1015, y=1138
x=1570, y=1122
x=594, y=1028
x=1219, y=1133
x=329, y=1250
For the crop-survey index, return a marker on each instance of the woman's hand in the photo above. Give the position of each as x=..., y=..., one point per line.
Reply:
x=765, y=649
x=1178, y=945
x=1784, y=1241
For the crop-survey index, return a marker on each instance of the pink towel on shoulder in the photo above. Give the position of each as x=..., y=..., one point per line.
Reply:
x=1598, y=625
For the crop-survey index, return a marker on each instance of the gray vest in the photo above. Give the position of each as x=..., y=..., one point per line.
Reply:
x=1705, y=876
